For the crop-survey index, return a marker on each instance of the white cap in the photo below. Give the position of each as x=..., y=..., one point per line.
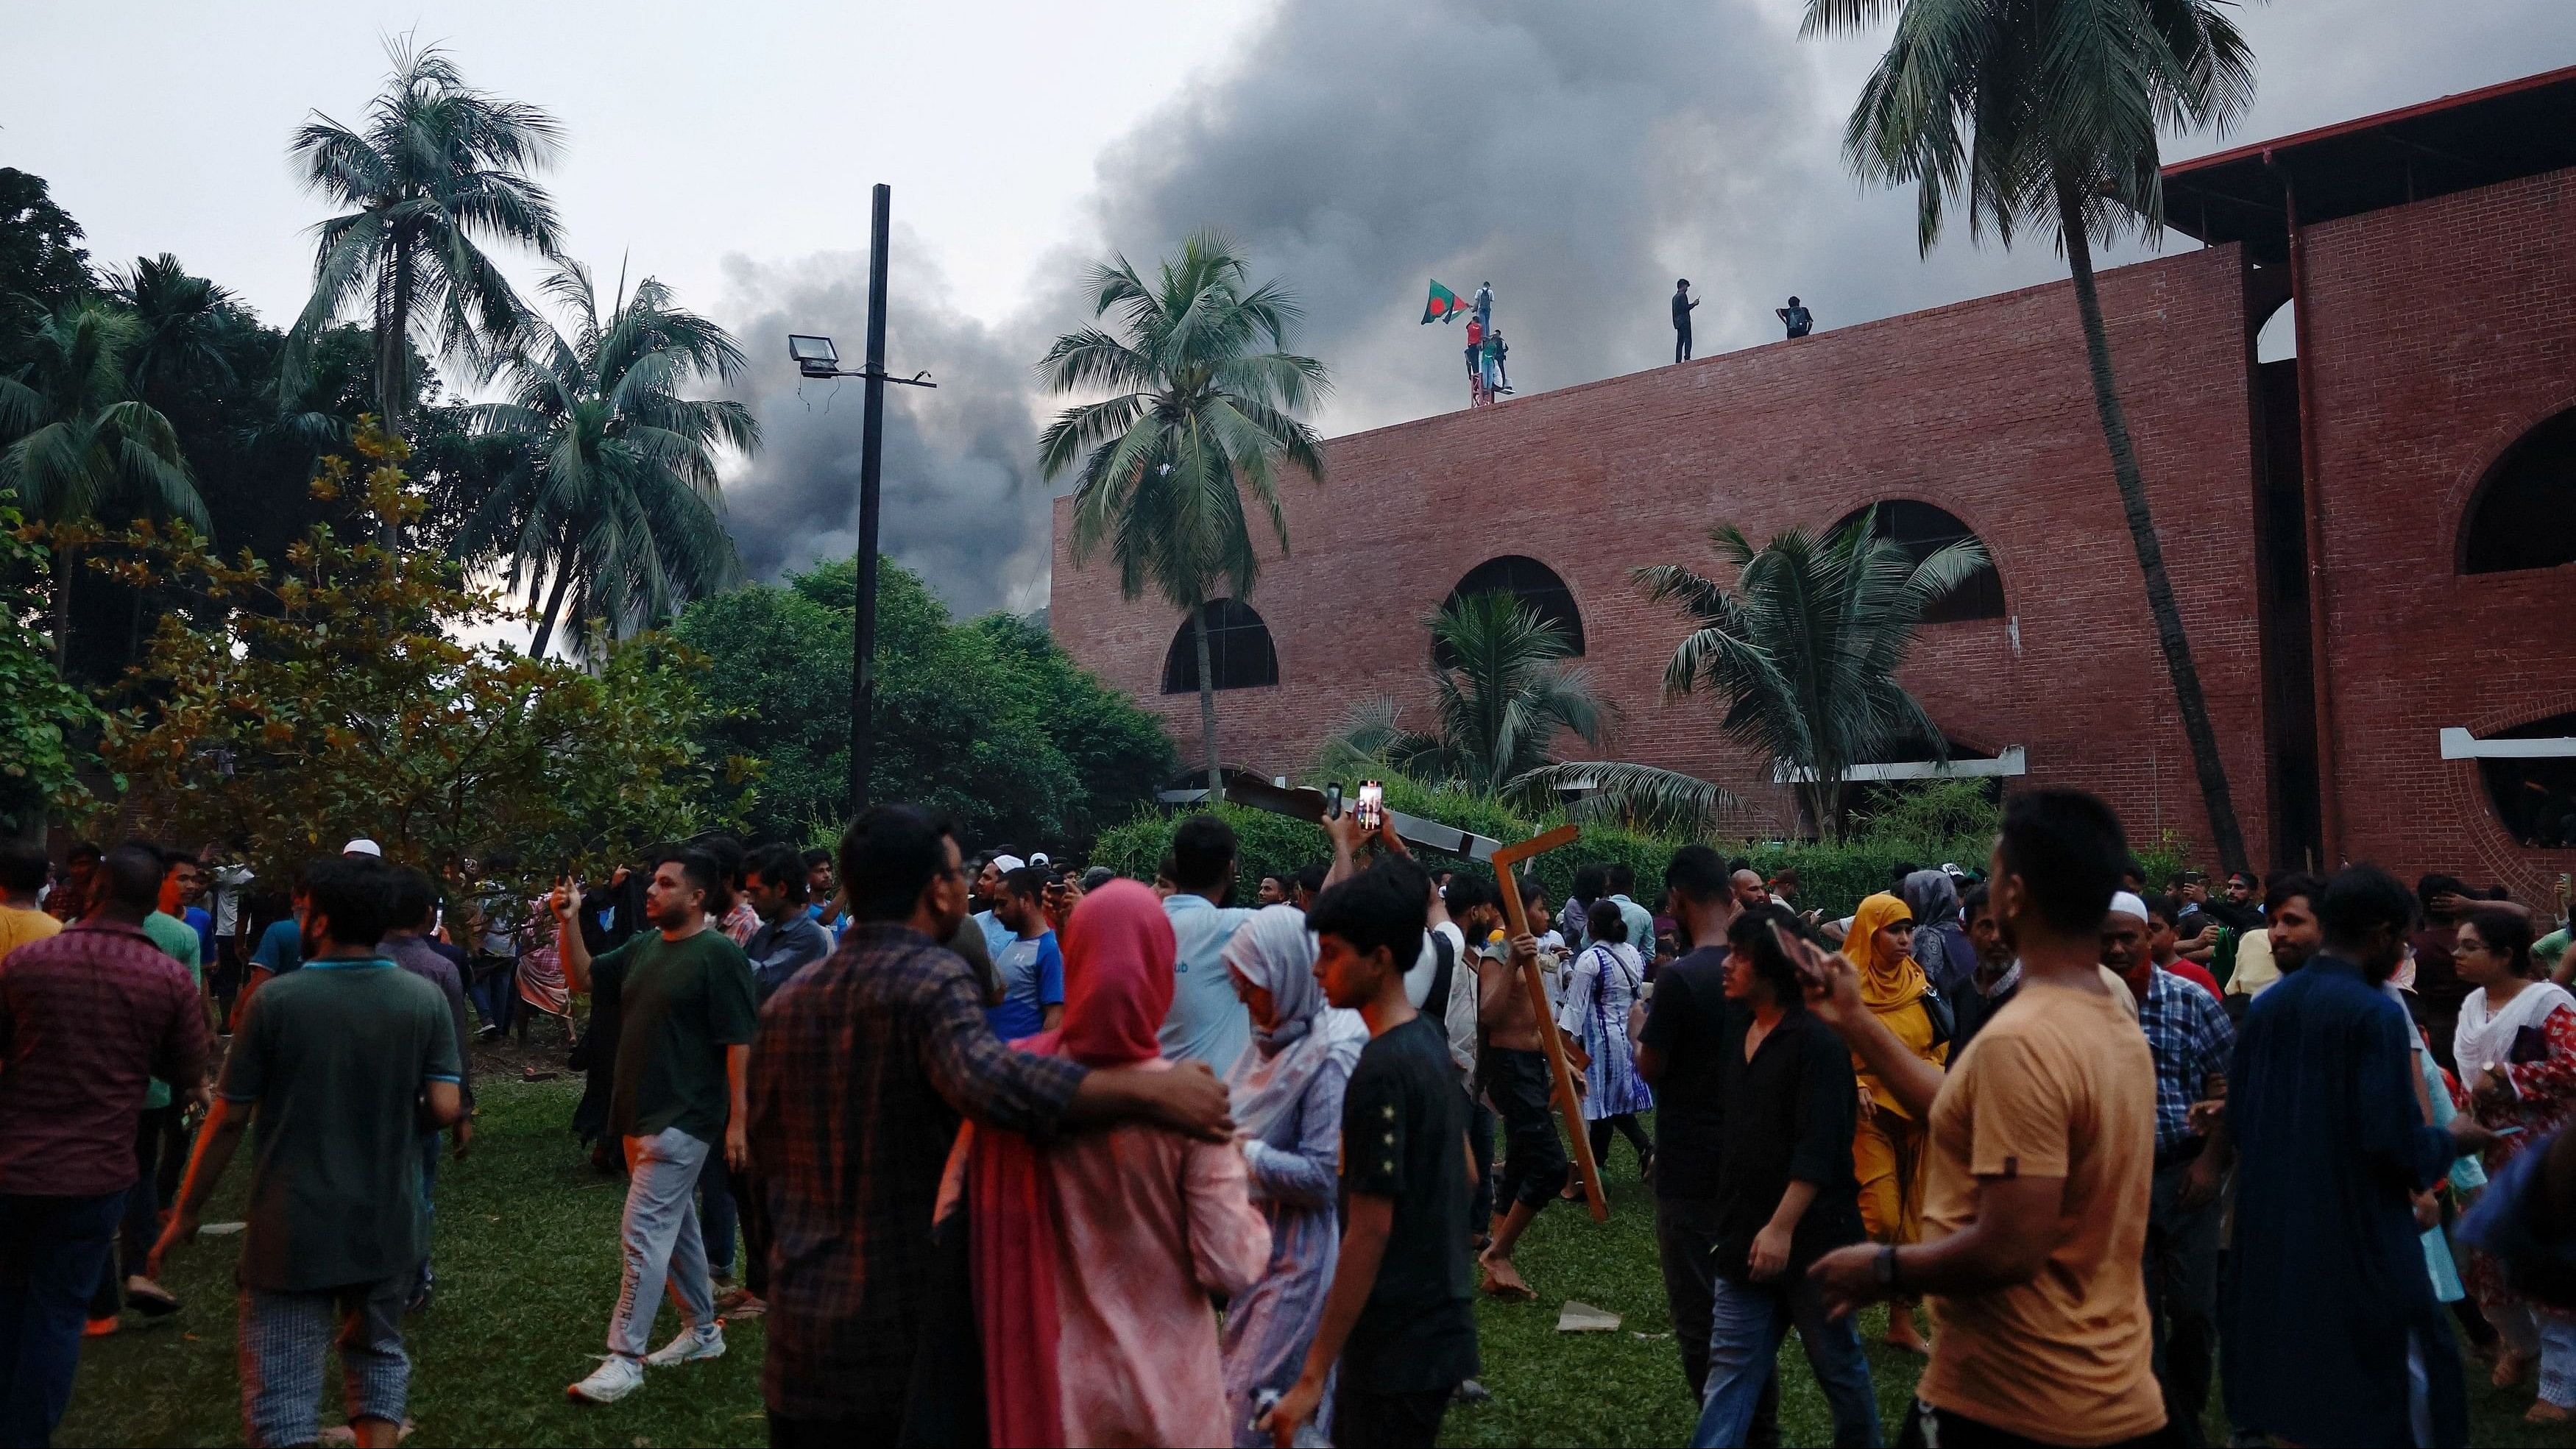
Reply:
x=2126, y=903
x=363, y=846
x=1007, y=863
x=1039, y=857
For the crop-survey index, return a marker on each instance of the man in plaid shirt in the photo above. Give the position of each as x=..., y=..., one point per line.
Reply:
x=862, y=1070
x=2190, y=1037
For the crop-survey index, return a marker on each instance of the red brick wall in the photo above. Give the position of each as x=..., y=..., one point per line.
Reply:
x=1982, y=408
x=2437, y=334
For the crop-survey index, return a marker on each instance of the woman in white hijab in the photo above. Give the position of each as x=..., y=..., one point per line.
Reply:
x=1288, y=1112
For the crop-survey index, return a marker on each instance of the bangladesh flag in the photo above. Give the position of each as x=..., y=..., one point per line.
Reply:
x=1444, y=306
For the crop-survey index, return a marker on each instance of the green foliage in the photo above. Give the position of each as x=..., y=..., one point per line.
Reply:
x=988, y=722
x=45, y=724
x=1933, y=810
x=42, y=266
x=1501, y=694
x=1202, y=409
x=330, y=697
x=1834, y=876
x=613, y=488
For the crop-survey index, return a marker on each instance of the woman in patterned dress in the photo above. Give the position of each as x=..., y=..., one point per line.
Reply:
x=1599, y=990
x=2516, y=1049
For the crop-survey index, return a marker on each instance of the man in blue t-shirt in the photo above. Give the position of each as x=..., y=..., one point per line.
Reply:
x=1029, y=964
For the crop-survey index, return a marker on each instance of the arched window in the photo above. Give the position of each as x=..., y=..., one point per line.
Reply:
x=1239, y=650
x=2523, y=515
x=1531, y=582
x=2535, y=795
x=1923, y=530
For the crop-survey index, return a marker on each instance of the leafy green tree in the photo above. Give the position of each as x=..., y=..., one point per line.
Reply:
x=2046, y=115
x=44, y=722
x=438, y=172
x=988, y=722
x=1502, y=691
x=1804, y=649
x=613, y=492
x=333, y=697
x=80, y=445
x=43, y=269
x=1202, y=409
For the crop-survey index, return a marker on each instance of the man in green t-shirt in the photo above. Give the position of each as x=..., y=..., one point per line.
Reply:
x=340, y=1065
x=683, y=1049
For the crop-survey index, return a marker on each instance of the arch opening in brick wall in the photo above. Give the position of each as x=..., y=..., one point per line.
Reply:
x=1240, y=653
x=1526, y=579
x=2533, y=785
x=2522, y=514
x=1924, y=529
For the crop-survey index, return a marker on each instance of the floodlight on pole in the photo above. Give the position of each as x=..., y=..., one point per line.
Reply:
x=815, y=356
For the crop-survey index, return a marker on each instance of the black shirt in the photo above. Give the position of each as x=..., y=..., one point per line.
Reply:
x=1682, y=305
x=1800, y=320
x=1795, y=1106
x=1404, y=1136
x=1686, y=1024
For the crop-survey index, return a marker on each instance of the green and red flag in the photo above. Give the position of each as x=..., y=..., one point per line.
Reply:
x=1444, y=306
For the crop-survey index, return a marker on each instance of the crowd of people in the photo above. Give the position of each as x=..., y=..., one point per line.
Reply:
x=1005, y=1152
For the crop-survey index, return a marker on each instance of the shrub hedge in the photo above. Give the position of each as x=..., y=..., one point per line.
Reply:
x=1832, y=878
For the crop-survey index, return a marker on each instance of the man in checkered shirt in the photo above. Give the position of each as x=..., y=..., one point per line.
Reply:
x=863, y=1068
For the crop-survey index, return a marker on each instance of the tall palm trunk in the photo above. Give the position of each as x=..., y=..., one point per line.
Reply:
x=62, y=603
x=2228, y=839
x=554, y=608
x=1207, y=704
x=393, y=328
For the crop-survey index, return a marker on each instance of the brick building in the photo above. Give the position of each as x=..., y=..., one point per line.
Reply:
x=2426, y=417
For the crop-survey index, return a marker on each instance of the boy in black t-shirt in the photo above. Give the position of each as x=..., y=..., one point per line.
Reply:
x=1400, y=1317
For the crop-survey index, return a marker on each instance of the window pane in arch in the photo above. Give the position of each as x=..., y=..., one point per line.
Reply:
x=2535, y=798
x=1923, y=530
x=1534, y=584
x=2523, y=515
x=1240, y=654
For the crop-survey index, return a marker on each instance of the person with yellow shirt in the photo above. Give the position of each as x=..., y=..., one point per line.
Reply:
x=1887, y=1152
x=23, y=867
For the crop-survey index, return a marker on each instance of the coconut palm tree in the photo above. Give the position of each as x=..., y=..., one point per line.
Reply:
x=1500, y=694
x=182, y=323
x=2046, y=115
x=78, y=441
x=612, y=506
x=1805, y=650
x=438, y=171
x=1202, y=411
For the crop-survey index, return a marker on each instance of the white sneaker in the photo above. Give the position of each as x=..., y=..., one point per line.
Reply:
x=614, y=1379
x=691, y=1345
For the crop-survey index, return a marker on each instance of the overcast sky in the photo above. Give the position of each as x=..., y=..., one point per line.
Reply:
x=1578, y=157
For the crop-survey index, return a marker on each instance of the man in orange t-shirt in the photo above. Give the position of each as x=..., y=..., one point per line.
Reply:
x=2042, y=1153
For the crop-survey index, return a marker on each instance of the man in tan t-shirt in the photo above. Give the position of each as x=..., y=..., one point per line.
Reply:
x=2042, y=1156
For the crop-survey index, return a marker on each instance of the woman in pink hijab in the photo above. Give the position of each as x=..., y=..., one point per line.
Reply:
x=1095, y=1253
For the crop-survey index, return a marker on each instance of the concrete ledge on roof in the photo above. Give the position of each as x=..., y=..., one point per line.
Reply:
x=2010, y=761
x=2459, y=744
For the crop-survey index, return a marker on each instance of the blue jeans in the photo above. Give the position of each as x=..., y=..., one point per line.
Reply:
x=1747, y=1322
x=52, y=1250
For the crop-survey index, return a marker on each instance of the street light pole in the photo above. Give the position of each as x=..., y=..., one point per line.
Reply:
x=863, y=633
x=815, y=356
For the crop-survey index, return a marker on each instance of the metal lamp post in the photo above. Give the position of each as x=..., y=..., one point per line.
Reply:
x=815, y=356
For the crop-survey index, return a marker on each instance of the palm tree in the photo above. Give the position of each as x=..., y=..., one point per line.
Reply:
x=181, y=322
x=80, y=442
x=614, y=497
x=1202, y=411
x=1500, y=694
x=438, y=171
x=2046, y=114
x=1805, y=650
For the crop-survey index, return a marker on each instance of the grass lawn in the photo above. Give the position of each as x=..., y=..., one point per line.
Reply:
x=527, y=1267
